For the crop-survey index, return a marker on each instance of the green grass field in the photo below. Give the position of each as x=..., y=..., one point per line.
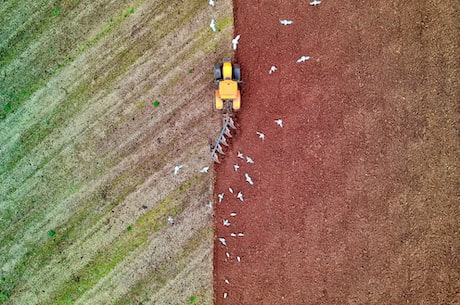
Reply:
x=99, y=100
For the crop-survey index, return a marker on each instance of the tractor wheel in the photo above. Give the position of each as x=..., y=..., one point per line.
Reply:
x=218, y=103
x=236, y=72
x=217, y=72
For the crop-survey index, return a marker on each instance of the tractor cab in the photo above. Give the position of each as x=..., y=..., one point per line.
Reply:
x=227, y=77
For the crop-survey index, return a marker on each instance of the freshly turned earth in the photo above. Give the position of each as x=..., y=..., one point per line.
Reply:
x=355, y=199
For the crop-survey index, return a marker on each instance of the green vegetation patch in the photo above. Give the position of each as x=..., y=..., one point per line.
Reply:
x=34, y=259
x=56, y=11
x=41, y=63
x=133, y=237
x=85, y=216
x=224, y=22
x=26, y=25
x=167, y=269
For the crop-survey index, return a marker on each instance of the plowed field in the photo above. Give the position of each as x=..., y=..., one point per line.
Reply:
x=355, y=198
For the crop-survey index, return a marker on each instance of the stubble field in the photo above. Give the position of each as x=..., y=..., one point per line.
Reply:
x=100, y=100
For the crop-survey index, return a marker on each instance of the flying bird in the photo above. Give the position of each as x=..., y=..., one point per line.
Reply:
x=248, y=179
x=211, y=3
x=261, y=135
x=315, y=2
x=222, y=240
x=236, y=167
x=303, y=58
x=204, y=169
x=213, y=25
x=240, y=196
x=221, y=197
x=170, y=220
x=226, y=223
x=177, y=168
x=279, y=122
x=240, y=155
x=286, y=22
x=249, y=160
x=272, y=69
x=235, y=42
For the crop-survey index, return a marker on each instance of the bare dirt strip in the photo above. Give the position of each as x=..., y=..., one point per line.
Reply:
x=355, y=199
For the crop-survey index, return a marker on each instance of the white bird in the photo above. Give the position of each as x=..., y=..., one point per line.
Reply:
x=213, y=25
x=170, y=220
x=177, y=168
x=221, y=197
x=230, y=190
x=226, y=223
x=211, y=3
x=232, y=234
x=240, y=155
x=248, y=179
x=233, y=214
x=236, y=167
x=315, y=2
x=279, y=122
x=261, y=135
x=209, y=205
x=238, y=259
x=235, y=42
x=272, y=69
x=227, y=282
x=286, y=22
x=222, y=240
x=225, y=295
x=249, y=160
x=227, y=254
x=240, y=234
x=204, y=169
x=303, y=58
x=240, y=196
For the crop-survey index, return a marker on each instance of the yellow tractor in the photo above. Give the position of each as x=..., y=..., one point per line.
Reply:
x=227, y=78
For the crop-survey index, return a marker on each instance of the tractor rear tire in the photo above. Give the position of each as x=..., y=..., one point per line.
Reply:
x=236, y=73
x=217, y=72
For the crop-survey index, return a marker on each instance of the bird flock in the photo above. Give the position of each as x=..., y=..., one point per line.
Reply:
x=245, y=163
x=244, y=159
x=235, y=40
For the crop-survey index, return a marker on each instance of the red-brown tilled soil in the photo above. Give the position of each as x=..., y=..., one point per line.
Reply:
x=355, y=198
